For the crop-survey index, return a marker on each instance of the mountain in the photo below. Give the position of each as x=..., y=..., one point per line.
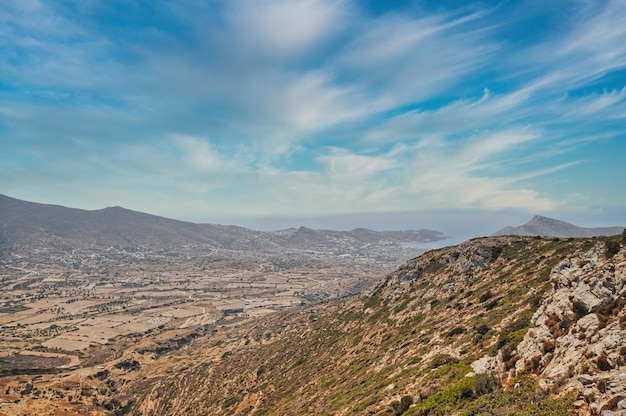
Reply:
x=501, y=326
x=548, y=227
x=27, y=227
x=34, y=225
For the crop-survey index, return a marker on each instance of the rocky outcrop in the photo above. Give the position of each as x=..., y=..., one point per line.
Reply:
x=579, y=335
x=461, y=262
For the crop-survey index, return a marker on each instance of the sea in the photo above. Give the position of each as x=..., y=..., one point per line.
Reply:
x=432, y=245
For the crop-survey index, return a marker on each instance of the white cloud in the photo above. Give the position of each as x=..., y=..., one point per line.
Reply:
x=408, y=60
x=487, y=146
x=314, y=102
x=201, y=157
x=285, y=27
x=6, y=111
x=604, y=104
x=463, y=175
x=437, y=176
x=461, y=116
x=442, y=189
x=588, y=46
x=390, y=39
x=240, y=67
x=341, y=165
x=599, y=35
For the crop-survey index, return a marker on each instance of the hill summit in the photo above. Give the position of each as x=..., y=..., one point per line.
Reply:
x=549, y=227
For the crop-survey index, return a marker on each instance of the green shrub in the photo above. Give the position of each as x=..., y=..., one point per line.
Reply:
x=446, y=399
x=443, y=359
x=491, y=304
x=485, y=384
x=401, y=406
x=482, y=329
x=230, y=402
x=496, y=251
x=455, y=331
x=611, y=248
x=485, y=296
x=579, y=308
x=509, y=339
x=526, y=400
x=548, y=407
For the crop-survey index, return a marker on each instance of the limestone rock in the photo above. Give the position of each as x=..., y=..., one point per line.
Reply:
x=579, y=338
x=485, y=365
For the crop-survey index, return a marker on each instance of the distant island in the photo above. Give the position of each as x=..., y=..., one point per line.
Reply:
x=549, y=227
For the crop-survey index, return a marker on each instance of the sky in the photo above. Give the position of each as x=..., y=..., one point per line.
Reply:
x=457, y=116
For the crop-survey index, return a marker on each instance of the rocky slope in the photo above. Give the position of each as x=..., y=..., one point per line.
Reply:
x=499, y=326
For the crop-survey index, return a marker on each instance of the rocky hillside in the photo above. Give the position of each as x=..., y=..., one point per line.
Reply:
x=494, y=326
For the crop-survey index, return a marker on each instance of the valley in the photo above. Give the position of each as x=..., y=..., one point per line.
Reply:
x=59, y=321
x=55, y=309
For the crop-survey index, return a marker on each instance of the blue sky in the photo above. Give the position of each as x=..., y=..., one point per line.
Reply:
x=336, y=113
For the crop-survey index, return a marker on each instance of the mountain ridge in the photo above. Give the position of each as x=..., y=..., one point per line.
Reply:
x=28, y=226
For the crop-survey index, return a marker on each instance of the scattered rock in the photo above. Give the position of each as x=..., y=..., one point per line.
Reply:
x=485, y=365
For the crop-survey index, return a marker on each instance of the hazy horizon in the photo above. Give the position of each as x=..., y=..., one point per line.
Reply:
x=454, y=225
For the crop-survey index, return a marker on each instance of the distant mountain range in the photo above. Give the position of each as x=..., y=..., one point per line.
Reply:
x=27, y=226
x=548, y=227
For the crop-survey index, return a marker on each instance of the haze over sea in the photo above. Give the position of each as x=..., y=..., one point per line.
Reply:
x=432, y=245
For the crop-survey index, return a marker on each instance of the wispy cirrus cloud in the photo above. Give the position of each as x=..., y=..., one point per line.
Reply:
x=607, y=104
